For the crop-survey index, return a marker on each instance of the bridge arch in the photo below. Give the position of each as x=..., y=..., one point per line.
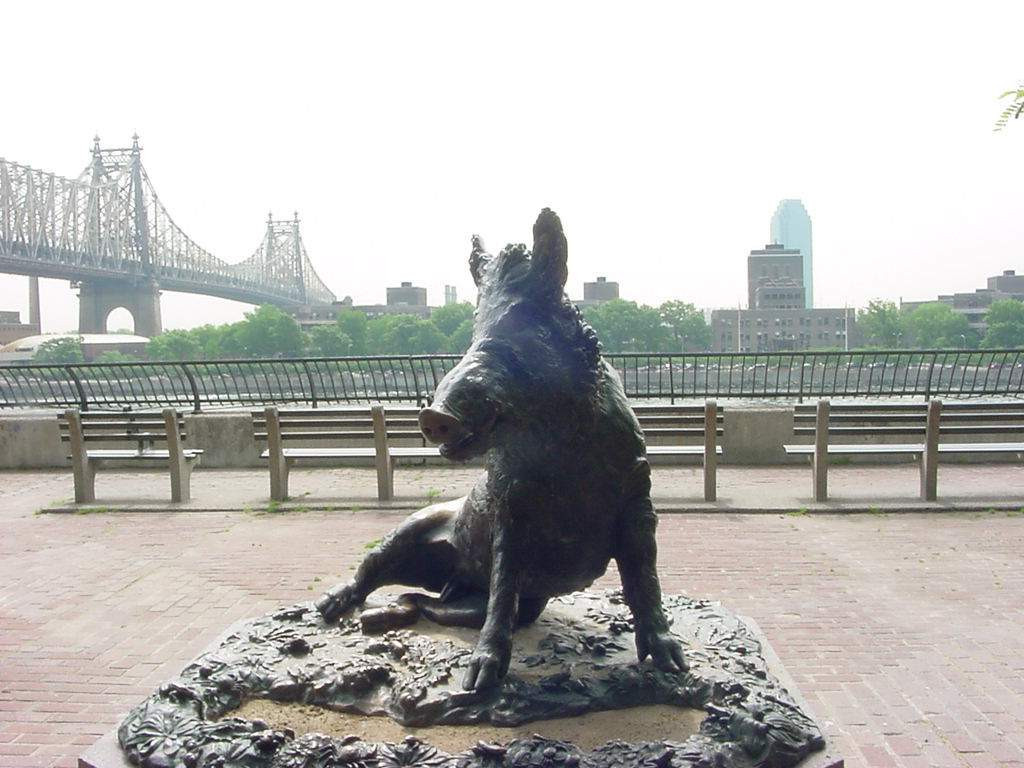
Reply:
x=99, y=299
x=119, y=319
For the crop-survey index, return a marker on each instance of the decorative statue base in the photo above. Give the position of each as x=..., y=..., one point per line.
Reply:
x=578, y=658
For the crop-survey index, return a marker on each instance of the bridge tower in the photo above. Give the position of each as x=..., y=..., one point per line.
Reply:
x=138, y=293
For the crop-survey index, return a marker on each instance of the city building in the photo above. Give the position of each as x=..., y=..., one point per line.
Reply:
x=405, y=299
x=791, y=227
x=783, y=330
x=598, y=292
x=777, y=318
x=451, y=296
x=775, y=278
x=12, y=329
x=407, y=295
x=974, y=304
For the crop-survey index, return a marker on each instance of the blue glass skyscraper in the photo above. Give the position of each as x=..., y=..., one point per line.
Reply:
x=791, y=227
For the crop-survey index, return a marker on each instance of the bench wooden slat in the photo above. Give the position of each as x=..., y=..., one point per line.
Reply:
x=981, y=447
x=944, y=429
x=679, y=450
x=151, y=455
x=922, y=408
x=412, y=452
x=807, y=449
x=417, y=435
x=325, y=453
x=127, y=437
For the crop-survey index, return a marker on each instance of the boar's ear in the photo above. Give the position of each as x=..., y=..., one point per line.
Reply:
x=550, y=251
x=478, y=259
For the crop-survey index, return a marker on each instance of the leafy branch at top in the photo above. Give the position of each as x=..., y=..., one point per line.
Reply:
x=1014, y=110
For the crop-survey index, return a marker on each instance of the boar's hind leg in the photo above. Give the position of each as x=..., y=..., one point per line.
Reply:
x=418, y=553
x=470, y=610
x=637, y=558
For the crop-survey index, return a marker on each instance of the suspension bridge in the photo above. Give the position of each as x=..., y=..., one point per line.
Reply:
x=108, y=232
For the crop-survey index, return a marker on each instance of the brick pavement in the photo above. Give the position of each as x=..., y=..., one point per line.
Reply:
x=903, y=631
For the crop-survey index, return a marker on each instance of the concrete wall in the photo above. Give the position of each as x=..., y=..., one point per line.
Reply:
x=752, y=436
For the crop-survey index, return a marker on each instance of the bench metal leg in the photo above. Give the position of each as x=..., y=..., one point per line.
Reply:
x=279, y=469
x=85, y=481
x=275, y=454
x=385, y=478
x=820, y=460
x=383, y=458
x=181, y=479
x=930, y=457
x=282, y=474
x=710, y=451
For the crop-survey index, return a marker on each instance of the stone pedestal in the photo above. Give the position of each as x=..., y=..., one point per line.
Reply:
x=286, y=690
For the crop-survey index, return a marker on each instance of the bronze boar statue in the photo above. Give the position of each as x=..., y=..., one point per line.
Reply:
x=567, y=484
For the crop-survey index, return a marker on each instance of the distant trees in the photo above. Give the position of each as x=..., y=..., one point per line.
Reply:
x=268, y=332
x=62, y=351
x=687, y=325
x=1005, y=321
x=938, y=326
x=622, y=326
x=881, y=324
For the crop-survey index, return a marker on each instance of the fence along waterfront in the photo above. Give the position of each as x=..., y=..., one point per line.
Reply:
x=203, y=385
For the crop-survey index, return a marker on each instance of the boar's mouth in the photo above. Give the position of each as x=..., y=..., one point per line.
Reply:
x=469, y=445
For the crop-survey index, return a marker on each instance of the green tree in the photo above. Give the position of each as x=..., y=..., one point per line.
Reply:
x=449, y=317
x=61, y=351
x=461, y=337
x=265, y=332
x=411, y=335
x=686, y=323
x=329, y=341
x=353, y=324
x=882, y=324
x=175, y=345
x=937, y=326
x=625, y=326
x=1005, y=321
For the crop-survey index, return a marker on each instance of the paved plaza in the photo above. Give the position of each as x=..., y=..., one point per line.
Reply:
x=903, y=631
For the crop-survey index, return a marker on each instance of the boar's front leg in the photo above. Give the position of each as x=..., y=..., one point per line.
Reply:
x=493, y=651
x=637, y=558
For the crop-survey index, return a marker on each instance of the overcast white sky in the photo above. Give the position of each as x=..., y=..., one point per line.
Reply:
x=664, y=134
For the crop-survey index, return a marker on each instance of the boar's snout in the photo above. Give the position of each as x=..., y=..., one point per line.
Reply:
x=439, y=427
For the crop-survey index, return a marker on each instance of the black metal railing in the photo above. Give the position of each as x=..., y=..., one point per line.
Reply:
x=315, y=381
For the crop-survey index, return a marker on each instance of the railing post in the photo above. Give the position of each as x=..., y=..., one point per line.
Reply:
x=83, y=405
x=800, y=386
x=193, y=386
x=312, y=386
x=671, y=378
x=415, y=383
x=928, y=382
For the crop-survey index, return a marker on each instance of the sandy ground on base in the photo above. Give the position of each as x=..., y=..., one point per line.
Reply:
x=658, y=722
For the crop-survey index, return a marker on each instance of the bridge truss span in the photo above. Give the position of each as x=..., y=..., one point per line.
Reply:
x=110, y=224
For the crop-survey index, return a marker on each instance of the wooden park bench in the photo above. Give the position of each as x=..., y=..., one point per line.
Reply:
x=929, y=422
x=370, y=424
x=679, y=422
x=377, y=427
x=80, y=430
